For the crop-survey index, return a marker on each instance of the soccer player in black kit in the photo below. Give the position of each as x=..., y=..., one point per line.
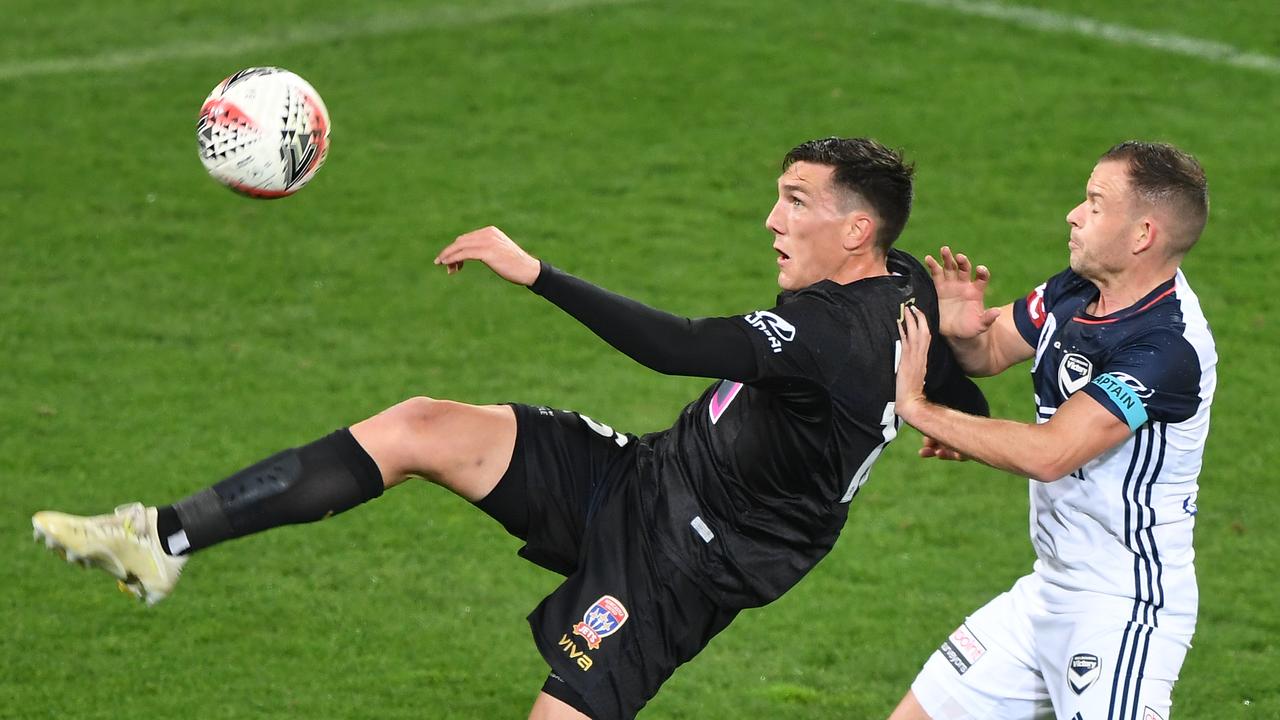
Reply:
x=664, y=538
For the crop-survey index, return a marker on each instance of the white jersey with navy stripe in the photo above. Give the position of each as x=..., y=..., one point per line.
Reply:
x=1115, y=535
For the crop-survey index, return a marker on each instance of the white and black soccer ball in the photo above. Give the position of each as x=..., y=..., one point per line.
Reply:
x=263, y=132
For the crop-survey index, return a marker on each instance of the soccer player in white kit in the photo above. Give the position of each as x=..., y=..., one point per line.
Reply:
x=1124, y=374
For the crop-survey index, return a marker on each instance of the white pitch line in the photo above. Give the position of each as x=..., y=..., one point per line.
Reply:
x=1049, y=21
x=383, y=24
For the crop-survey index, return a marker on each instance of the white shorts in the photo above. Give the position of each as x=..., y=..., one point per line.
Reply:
x=1013, y=660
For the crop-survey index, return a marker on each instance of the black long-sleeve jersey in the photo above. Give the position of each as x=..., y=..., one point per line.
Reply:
x=751, y=486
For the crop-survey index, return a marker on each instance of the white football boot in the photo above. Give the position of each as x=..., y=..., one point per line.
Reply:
x=124, y=544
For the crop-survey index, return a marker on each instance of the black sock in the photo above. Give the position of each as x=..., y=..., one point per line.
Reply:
x=301, y=485
x=169, y=527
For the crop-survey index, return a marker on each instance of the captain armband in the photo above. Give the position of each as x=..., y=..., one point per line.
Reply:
x=1125, y=397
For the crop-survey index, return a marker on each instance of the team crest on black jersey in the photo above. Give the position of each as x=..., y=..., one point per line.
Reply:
x=1074, y=372
x=1083, y=671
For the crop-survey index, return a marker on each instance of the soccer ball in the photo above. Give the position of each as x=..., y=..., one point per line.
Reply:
x=263, y=132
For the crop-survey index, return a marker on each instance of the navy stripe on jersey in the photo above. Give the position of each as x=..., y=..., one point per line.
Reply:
x=1157, y=597
x=1141, y=562
x=1140, y=518
x=1141, y=446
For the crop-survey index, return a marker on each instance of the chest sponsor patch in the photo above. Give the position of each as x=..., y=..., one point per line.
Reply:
x=962, y=649
x=601, y=620
x=775, y=329
x=1082, y=671
x=1074, y=372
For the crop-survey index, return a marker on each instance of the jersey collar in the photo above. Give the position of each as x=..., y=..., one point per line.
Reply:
x=1161, y=291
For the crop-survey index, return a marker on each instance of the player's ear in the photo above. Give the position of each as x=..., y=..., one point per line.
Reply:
x=1146, y=233
x=859, y=230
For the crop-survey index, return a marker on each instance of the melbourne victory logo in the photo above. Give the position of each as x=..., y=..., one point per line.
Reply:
x=1074, y=373
x=1083, y=671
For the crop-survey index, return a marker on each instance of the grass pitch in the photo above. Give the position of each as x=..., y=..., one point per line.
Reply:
x=158, y=332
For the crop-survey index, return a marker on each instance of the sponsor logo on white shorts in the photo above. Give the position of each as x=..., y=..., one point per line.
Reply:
x=1189, y=504
x=962, y=649
x=1083, y=670
x=1149, y=714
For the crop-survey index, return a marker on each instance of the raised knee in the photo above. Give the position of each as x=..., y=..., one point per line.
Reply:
x=420, y=415
x=415, y=406
x=415, y=412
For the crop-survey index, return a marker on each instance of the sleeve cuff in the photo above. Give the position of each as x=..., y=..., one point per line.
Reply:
x=545, y=277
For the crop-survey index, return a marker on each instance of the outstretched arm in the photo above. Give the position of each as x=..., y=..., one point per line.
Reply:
x=670, y=344
x=985, y=340
x=1081, y=430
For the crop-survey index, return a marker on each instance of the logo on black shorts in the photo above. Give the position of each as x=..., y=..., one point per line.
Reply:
x=579, y=656
x=601, y=620
x=1082, y=672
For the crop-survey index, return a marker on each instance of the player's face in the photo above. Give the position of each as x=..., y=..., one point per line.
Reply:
x=1102, y=226
x=808, y=226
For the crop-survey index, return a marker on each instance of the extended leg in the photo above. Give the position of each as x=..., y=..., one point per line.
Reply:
x=465, y=448
x=462, y=447
x=547, y=707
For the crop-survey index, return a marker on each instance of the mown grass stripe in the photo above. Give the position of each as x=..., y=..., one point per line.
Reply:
x=383, y=24
x=1054, y=22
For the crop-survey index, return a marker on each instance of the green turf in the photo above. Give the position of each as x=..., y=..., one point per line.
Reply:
x=158, y=332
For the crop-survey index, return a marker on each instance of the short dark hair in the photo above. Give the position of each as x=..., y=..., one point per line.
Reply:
x=1161, y=174
x=876, y=174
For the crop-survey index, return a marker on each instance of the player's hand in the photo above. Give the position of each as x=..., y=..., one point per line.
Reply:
x=962, y=311
x=492, y=247
x=933, y=449
x=913, y=331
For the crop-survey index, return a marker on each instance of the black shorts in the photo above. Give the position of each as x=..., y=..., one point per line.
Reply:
x=626, y=616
